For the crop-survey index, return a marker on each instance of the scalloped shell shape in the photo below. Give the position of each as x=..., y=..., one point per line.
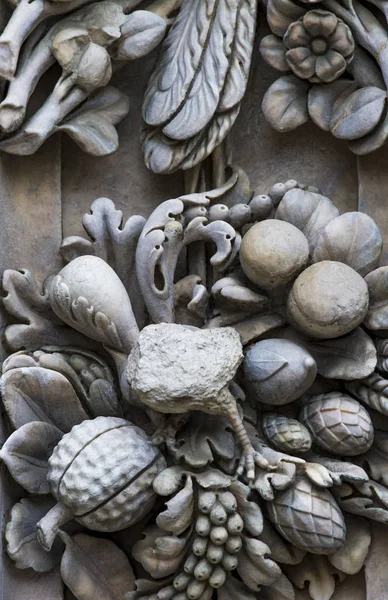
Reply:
x=338, y=424
x=308, y=517
x=103, y=472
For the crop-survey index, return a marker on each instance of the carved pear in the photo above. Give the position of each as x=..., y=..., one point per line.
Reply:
x=89, y=296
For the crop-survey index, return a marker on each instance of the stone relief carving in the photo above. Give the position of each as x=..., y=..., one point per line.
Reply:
x=219, y=435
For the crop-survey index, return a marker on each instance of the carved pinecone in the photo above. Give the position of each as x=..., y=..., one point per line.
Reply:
x=308, y=517
x=287, y=435
x=103, y=470
x=338, y=423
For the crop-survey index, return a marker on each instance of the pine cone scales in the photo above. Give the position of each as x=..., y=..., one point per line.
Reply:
x=338, y=423
x=286, y=434
x=308, y=517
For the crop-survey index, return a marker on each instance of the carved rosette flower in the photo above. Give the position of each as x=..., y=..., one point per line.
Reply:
x=319, y=46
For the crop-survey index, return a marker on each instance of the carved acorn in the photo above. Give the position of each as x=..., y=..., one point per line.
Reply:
x=308, y=517
x=101, y=473
x=338, y=424
x=287, y=435
x=278, y=371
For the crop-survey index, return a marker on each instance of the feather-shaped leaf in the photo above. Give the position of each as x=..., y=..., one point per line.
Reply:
x=372, y=390
x=185, y=89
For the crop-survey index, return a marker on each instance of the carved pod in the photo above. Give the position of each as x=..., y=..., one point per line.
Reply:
x=338, y=424
x=308, y=517
x=102, y=472
x=287, y=435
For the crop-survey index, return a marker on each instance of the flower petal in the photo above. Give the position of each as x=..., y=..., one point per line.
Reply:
x=296, y=36
x=320, y=22
x=301, y=61
x=342, y=40
x=330, y=66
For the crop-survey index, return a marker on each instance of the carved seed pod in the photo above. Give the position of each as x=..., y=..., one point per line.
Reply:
x=287, y=435
x=338, y=424
x=308, y=517
x=102, y=472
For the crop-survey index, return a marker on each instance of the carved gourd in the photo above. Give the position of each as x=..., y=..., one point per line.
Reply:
x=308, y=517
x=327, y=300
x=89, y=296
x=278, y=371
x=101, y=473
x=287, y=435
x=338, y=424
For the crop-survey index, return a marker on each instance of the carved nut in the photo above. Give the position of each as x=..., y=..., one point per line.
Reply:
x=102, y=472
x=328, y=300
x=278, y=371
x=287, y=435
x=308, y=517
x=273, y=253
x=338, y=423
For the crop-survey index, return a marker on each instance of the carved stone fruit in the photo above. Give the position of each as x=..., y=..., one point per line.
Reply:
x=101, y=473
x=308, y=517
x=287, y=435
x=273, y=253
x=338, y=424
x=328, y=300
x=278, y=371
x=89, y=296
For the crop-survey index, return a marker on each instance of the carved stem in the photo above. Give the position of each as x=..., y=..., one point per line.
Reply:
x=47, y=528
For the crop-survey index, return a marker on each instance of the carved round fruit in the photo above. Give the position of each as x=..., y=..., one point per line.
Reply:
x=328, y=300
x=273, y=253
x=102, y=472
x=278, y=371
x=287, y=435
x=308, y=517
x=338, y=423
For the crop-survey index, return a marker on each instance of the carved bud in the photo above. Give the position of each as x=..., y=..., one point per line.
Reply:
x=287, y=435
x=338, y=424
x=94, y=69
x=308, y=517
x=68, y=44
x=140, y=34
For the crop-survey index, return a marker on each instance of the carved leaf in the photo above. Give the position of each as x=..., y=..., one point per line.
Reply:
x=318, y=573
x=255, y=567
x=185, y=88
x=95, y=568
x=161, y=155
x=377, y=317
x=358, y=114
x=178, y=515
x=322, y=100
x=372, y=390
x=281, y=13
x=340, y=471
x=349, y=357
x=371, y=142
x=92, y=126
x=204, y=439
x=352, y=238
x=285, y=103
x=37, y=394
x=160, y=555
x=20, y=533
x=369, y=499
x=281, y=550
x=273, y=51
x=29, y=305
x=170, y=480
x=233, y=589
x=375, y=461
x=350, y=558
x=140, y=34
x=281, y=589
x=74, y=246
x=249, y=510
x=26, y=453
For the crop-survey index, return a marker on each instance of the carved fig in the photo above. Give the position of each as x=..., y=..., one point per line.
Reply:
x=273, y=253
x=278, y=371
x=338, y=423
x=328, y=300
x=88, y=295
x=308, y=517
x=287, y=435
x=101, y=473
